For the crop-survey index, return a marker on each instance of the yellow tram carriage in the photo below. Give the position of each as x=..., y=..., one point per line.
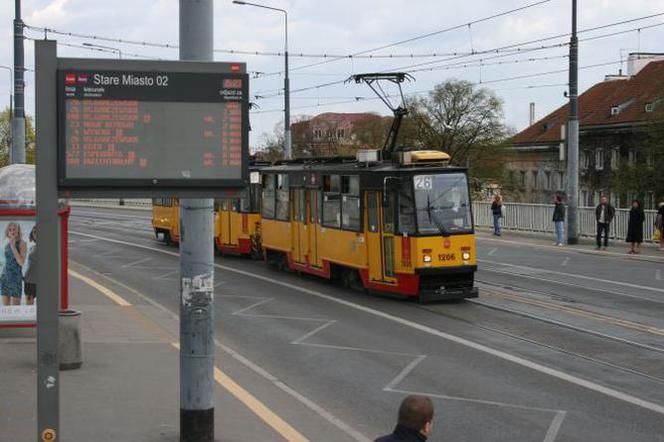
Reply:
x=402, y=227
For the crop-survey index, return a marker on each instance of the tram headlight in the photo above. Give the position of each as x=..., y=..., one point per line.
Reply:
x=426, y=258
x=465, y=256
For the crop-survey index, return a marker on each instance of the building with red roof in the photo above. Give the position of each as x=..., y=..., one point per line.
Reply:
x=331, y=133
x=615, y=117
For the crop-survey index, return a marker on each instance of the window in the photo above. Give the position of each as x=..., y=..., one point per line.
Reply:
x=599, y=159
x=650, y=107
x=583, y=160
x=341, y=133
x=632, y=157
x=615, y=158
x=650, y=160
x=584, y=198
x=561, y=180
x=388, y=212
x=350, y=202
x=331, y=201
x=615, y=110
x=372, y=211
x=406, y=211
x=442, y=203
x=548, y=185
x=282, y=211
x=523, y=178
x=535, y=179
x=269, y=187
x=162, y=202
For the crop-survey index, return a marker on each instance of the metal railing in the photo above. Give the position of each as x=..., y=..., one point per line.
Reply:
x=537, y=218
x=129, y=203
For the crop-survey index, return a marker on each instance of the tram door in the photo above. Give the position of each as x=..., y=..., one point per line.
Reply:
x=380, y=236
x=312, y=201
x=299, y=226
x=227, y=222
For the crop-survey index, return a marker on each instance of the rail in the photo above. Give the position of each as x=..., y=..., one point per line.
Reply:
x=537, y=218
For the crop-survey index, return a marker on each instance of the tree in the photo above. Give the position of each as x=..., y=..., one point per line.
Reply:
x=5, y=137
x=272, y=148
x=461, y=119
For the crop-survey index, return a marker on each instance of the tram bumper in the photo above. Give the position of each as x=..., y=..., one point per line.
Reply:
x=447, y=283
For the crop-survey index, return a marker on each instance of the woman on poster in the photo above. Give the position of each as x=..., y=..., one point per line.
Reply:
x=11, y=279
x=31, y=272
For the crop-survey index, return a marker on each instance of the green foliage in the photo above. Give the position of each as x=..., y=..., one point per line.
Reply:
x=5, y=136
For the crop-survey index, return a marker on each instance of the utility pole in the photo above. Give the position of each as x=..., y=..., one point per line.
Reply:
x=573, y=136
x=196, y=263
x=17, y=153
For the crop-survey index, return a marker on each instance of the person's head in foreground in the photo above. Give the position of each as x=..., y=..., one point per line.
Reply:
x=415, y=421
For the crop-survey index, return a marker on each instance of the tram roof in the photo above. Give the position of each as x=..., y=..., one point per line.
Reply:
x=357, y=168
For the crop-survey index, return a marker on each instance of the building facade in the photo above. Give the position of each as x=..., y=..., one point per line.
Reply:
x=616, y=119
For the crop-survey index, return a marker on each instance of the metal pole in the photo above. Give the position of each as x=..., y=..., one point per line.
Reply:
x=196, y=264
x=288, y=146
x=17, y=153
x=48, y=230
x=573, y=136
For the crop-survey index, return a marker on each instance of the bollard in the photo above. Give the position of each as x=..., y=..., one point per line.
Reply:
x=70, y=345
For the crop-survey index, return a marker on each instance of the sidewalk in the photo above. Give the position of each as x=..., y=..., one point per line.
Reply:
x=617, y=247
x=127, y=388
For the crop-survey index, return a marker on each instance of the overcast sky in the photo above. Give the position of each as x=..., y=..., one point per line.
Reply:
x=349, y=26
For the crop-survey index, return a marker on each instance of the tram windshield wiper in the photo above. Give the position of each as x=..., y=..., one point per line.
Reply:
x=433, y=216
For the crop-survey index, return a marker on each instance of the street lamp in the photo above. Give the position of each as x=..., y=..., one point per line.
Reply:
x=11, y=105
x=108, y=48
x=287, y=129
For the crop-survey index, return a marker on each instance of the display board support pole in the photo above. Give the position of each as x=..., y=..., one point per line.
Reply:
x=48, y=252
x=196, y=264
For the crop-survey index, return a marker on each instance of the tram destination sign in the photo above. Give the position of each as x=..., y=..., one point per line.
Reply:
x=152, y=128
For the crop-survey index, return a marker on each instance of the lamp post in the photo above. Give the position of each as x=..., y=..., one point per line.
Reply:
x=108, y=48
x=287, y=129
x=11, y=106
x=573, y=136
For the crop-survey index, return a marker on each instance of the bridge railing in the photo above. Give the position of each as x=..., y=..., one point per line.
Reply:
x=129, y=203
x=537, y=218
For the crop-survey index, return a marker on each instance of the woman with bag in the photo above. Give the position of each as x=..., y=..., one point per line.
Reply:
x=659, y=226
x=635, y=227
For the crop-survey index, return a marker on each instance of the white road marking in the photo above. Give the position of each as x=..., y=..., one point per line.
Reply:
x=134, y=263
x=313, y=332
x=554, y=428
x=573, y=275
x=313, y=406
x=565, y=261
x=492, y=251
x=570, y=378
x=242, y=310
x=405, y=372
x=101, y=289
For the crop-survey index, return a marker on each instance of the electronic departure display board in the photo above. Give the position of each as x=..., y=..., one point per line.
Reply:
x=152, y=128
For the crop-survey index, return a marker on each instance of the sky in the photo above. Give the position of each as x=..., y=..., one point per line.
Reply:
x=350, y=26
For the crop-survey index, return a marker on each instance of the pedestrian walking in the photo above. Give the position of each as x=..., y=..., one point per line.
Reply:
x=559, y=220
x=659, y=225
x=498, y=211
x=11, y=279
x=604, y=213
x=635, y=227
x=30, y=278
x=415, y=421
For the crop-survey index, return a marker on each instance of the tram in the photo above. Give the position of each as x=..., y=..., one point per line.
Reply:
x=403, y=227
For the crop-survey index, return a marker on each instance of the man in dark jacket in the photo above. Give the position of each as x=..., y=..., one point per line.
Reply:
x=415, y=421
x=604, y=214
x=559, y=220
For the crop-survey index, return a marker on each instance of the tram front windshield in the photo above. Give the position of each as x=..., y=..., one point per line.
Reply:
x=442, y=204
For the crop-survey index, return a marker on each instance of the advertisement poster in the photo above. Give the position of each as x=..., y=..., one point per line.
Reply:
x=18, y=242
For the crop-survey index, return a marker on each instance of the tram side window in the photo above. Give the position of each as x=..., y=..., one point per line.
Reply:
x=283, y=198
x=372, y=211
x=388, y=212
x=162, y=202
x=406, y=212
x=332, y=201
x=268, y=196
x=218, y=204
x=350, y=202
